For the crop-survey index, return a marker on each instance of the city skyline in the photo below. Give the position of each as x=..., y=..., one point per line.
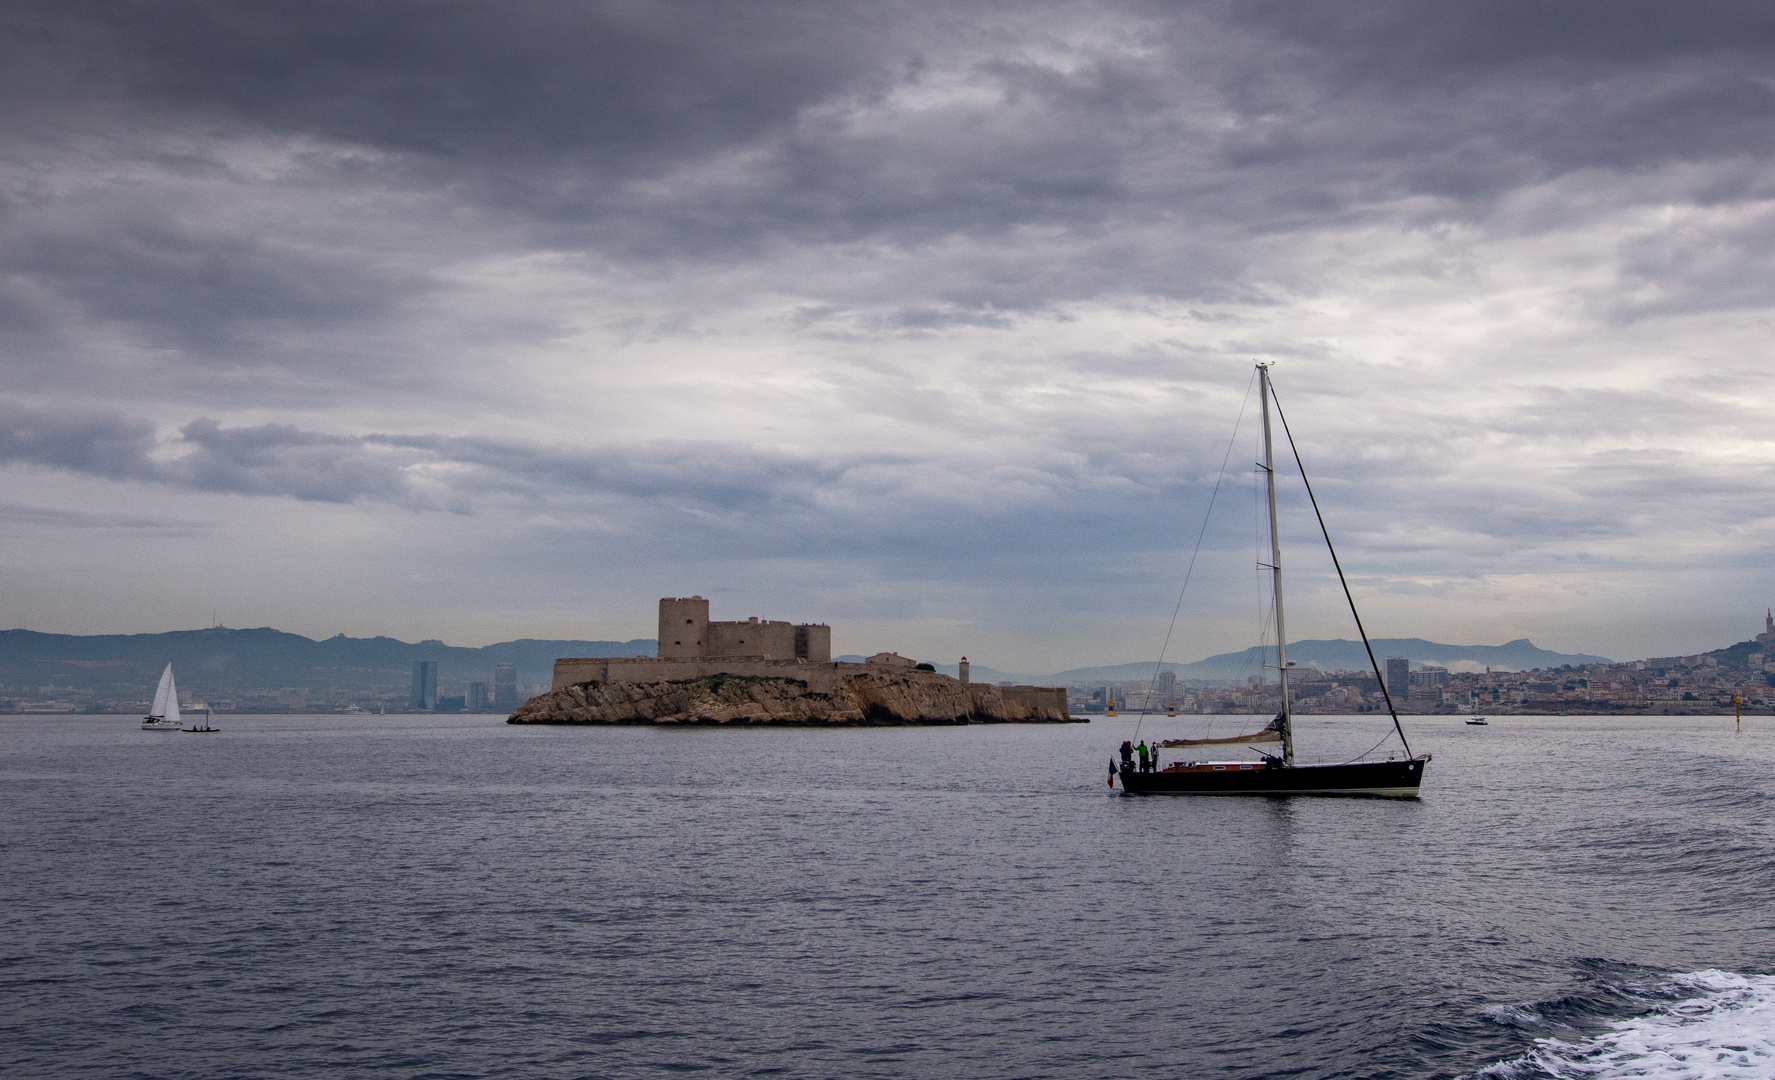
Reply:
x=931, y=323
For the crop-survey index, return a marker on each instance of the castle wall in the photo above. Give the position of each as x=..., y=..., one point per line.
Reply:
x=772, y=640
x=820, y=678
x=1035, y=700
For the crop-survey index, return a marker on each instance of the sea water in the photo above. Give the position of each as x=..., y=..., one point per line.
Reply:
x=454, y=897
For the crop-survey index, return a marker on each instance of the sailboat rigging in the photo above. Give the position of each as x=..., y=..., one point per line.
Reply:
x=1280, y=774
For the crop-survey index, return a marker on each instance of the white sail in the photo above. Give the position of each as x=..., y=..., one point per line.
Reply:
x=166, y=699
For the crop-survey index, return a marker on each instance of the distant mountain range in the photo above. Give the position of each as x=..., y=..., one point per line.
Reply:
x=1332, y=655
x=254, y=666
x=220, y=661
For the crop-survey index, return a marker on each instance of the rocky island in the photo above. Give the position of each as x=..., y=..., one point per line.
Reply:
x=770, y=673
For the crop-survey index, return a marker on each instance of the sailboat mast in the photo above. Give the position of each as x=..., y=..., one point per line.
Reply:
x=1269, y=469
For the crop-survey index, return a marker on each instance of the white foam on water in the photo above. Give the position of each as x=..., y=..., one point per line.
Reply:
x=1726, y=1028
x=1514, y=1015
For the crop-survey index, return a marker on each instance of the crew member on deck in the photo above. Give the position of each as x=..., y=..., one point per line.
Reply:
x=1127, y=754
x=1145, y=762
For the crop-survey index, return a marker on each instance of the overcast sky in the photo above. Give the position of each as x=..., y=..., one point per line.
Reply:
x=930, y=321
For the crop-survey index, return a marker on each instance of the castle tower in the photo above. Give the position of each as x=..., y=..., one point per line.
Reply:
x=813, y=643
x=683, y=627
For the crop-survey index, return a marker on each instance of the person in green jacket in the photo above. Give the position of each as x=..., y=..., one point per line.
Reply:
x=1145, y=761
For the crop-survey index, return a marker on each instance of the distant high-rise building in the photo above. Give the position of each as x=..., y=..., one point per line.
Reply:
x=1426, y=685
x=1398, y=678
x=1428, y=675
x=1168, y=685
x=480, y=697
x=425, y=685
x=505, y=686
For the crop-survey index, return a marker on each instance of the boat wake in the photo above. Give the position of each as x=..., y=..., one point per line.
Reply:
x=1698, y=1026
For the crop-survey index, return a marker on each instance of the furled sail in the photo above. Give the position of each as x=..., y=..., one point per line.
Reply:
x=166, y=699
x=1270, y=734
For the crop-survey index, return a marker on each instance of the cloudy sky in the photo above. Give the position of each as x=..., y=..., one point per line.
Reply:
x=931, y=321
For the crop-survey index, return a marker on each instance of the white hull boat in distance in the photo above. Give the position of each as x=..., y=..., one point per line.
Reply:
x=1278, y=773
x=163, y=715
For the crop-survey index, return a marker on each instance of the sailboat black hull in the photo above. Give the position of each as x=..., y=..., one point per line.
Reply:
x=1378, y=779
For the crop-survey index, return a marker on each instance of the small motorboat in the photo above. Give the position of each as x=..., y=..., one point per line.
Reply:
x=203, y=728
x=1476, y=721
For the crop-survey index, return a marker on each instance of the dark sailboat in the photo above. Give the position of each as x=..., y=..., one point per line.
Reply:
x=1280, y=774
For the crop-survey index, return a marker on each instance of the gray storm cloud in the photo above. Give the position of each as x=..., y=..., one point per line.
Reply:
x=891, y=299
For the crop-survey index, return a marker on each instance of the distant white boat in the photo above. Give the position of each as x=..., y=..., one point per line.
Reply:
x=1477, y=720
x=163, y=715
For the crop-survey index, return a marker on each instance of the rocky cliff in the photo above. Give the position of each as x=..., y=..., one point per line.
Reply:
x=909, y=697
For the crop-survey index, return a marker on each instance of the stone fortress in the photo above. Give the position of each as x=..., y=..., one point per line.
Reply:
x=691, y=646
x=685, y=633
x=768, y=671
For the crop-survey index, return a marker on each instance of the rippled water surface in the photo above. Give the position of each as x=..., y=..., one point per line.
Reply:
x=453, y=897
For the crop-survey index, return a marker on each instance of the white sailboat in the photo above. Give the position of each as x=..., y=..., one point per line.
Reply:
x=163, y=715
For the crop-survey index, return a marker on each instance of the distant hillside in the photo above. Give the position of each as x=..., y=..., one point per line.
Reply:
x=221, y=661
x=251, y=667
x=1518, y=655
x=1139, y=671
